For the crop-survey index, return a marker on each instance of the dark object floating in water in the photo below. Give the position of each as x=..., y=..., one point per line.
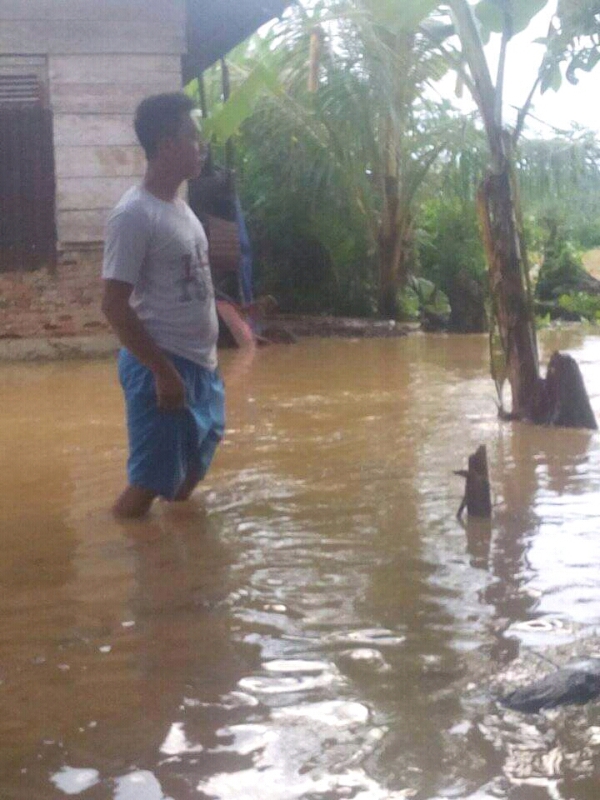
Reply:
x=575, y=684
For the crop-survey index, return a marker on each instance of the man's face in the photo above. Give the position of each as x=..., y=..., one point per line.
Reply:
x=186, y=151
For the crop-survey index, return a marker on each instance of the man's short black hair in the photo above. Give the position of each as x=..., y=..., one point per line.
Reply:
x=158, y=117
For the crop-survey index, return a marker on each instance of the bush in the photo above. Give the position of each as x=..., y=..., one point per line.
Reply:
x=450, y=242
x=451, y=256
x=586, y=306
x=309, y=240
x=562, y=270
x=423, y=297
x=587, y=234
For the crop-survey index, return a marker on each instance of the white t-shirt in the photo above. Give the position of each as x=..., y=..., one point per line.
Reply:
x=161, y=249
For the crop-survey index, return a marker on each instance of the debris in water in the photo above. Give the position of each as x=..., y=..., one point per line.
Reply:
x=575, y=684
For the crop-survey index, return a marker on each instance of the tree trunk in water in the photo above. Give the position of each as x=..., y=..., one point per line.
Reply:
x=512, y=306
x=500, y=218
x=561, y=398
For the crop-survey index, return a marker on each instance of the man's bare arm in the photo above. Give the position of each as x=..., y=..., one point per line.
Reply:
x=133, y=336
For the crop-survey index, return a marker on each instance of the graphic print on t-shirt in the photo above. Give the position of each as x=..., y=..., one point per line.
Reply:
x=192, y=279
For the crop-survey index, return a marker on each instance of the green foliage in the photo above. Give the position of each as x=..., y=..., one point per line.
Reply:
x=450, y=242
x=451, y=256
x=409, y=305
x=551, y=77
x=396, y=16
x=586, y=233
x=226, y=122
x=584, y=305
x=430, y=297
x=543, y=321
x=496, y=15
x=574, y=40
x=315, y=168
x=360, y=146
x=311, y=245
x=560, y=185
x=562, y=269
x=422, y=296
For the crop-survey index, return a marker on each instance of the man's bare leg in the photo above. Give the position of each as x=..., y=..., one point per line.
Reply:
x=133, y=503
x=187, y=487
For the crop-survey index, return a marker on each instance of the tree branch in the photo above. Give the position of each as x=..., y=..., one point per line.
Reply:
x=524, y=111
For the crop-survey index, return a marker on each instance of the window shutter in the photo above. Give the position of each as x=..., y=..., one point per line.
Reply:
x=18, y=89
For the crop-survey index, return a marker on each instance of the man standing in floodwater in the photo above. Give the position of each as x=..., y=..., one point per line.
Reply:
x=159, y=299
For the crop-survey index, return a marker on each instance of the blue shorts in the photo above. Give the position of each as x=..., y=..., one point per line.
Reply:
x=165, y=447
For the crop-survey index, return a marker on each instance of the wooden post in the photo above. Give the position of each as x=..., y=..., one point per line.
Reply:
x=477, y=499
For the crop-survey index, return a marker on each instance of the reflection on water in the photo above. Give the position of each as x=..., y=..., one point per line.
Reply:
x=315, y=623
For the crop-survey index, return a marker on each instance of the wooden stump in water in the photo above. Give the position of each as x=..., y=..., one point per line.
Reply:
x=562, y=399
x=477, y=499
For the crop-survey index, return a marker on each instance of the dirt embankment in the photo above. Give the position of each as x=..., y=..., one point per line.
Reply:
x=303, y=325
x=281, y=328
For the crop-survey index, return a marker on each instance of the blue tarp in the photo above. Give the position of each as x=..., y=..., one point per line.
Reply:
x=246, y=280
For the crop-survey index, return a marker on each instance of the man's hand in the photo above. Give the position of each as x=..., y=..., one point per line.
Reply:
x=170, y=391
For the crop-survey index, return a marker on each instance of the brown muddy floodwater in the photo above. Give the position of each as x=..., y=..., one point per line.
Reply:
x=315, y=624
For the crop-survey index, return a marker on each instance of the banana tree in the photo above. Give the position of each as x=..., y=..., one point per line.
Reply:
x=498, y=197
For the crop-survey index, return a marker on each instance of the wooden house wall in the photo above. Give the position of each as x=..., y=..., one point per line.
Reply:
x=103, y=57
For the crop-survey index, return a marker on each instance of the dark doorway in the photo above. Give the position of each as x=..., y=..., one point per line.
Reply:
x=27, y=188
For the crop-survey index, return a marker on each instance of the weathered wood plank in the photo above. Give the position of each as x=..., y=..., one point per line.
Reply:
x=166, y=11
x=86, y=194
x=130, y=68
x=12, y=63
x=84, y=226
x=99, y=162
x=82, y=36
x=74, y=98
x=81, y=226
x=105, y=98
x=93, y=130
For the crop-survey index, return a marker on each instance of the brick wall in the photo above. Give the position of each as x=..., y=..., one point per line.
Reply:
x=66, y=303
